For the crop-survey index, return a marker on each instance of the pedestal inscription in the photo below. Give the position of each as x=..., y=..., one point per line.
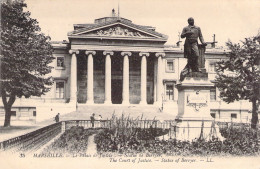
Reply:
x=197, y=100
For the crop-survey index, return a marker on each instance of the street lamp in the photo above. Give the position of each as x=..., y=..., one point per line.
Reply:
x=162, y=101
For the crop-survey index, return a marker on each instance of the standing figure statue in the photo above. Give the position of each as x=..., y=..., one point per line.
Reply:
x=191, y=51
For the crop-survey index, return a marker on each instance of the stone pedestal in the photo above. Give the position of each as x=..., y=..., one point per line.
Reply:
x=189, y=130
x=194, y=97
x=194, y=108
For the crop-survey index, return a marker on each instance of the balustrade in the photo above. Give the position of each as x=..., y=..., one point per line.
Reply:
x=37, y=138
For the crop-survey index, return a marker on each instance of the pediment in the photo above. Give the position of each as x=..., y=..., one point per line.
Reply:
x=118, y=30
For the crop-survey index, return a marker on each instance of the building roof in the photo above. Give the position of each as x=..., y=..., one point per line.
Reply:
x=59, y=44
x=106, y=21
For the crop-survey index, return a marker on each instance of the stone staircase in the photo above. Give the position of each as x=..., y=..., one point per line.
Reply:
x=148, y=112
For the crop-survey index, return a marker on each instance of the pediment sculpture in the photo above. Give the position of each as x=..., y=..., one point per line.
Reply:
x=119, y=31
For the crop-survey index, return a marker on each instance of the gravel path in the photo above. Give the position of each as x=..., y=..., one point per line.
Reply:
x=92, y=147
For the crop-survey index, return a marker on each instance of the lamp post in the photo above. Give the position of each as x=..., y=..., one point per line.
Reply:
x=162, y=101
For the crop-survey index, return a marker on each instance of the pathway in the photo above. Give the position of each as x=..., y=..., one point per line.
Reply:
x=92, y=147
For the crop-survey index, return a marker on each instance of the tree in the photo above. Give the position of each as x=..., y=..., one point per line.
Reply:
x=26, y=54
x=238, y=77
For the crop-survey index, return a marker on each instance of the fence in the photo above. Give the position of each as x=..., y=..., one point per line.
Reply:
x=36, y=139
x=32, y=140
x=108, y=124
x=223, y=125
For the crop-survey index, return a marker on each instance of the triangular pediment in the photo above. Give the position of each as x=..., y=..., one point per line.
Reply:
x=117, y=30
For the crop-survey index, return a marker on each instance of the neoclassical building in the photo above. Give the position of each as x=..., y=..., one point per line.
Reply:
x=116, y=62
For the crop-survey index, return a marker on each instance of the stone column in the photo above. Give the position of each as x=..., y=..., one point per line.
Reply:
x=73, y=75
x=143, y=77
x=90, y=88
x=108, y=77
x=126, y=77
x=159, y=78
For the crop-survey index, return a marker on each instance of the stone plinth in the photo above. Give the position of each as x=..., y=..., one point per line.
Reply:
x=188, y=130
x=194, y=119
x=194, y=97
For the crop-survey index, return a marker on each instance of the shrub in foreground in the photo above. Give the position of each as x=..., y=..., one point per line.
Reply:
x=72, y=141
x=238, y=141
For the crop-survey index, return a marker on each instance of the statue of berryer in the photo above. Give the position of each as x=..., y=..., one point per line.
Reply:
x=191, y=48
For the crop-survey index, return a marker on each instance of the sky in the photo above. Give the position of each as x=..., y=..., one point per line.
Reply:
x=228, y=19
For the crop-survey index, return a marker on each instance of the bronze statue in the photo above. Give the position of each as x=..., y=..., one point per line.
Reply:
x=191, y=50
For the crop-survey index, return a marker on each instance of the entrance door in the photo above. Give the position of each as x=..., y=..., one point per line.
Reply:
x=116, y=91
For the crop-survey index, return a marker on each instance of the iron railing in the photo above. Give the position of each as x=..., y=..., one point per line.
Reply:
x=109, y=123
x=37, y=138
x=32, y=140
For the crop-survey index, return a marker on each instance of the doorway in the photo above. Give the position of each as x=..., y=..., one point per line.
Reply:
x=116, y=91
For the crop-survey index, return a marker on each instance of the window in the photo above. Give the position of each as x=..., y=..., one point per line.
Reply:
x=34, y=113
x=60, y=62
x=13, y=113
x=169, y=92
x=212, y=67
x=169, y=65
x=60, y=90
x=233, y=116
x=213, y=95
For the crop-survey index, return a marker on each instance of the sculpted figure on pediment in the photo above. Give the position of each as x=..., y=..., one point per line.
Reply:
x=137, y=34
x=100, y=32
x=106, y=32
x=128, y=33
x=111, y=31
x=118, y=31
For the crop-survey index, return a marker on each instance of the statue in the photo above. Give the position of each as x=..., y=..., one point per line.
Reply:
x=191, y=48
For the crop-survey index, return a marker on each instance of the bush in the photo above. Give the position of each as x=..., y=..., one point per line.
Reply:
x=72, y=141
x=107, y=141
x=239, y=140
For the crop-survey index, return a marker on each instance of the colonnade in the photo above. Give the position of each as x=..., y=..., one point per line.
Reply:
x=125, y=91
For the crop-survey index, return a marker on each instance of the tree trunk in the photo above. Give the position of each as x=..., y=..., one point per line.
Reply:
x=8, y=106
x=254, y=120
x=7, y=117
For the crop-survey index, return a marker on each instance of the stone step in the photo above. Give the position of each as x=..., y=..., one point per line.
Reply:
x=148, y=112
x=118, y=108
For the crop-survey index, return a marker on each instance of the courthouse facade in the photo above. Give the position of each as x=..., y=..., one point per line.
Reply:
x=116, y=62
